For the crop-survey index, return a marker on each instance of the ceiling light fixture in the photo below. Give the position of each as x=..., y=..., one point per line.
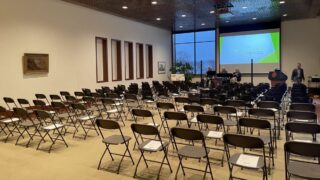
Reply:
x=282, y=2
x=285, y=15
x=254, y=18
x=124, y=7
x=244, y=7
x=158, y=19
x=154, y=2
x=227, y=21
x=203, y=24
x=211, y=12
x=180, y=26
x=183, y=15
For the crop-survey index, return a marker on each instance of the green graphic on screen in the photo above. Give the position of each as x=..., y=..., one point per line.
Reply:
x=263, y=48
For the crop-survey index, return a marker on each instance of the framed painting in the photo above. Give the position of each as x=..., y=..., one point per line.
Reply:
x=161, y=67
x=35, y=63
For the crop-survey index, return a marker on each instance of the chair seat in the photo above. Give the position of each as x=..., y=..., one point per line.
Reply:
x=112, y=111
x=238, y=114
x=85, y=118
x=116, y=139
x=230, y=123
x=51, y=112
x=117, y=104
x=10, y=120
x=53, y=126
x=194, y=120
x=151, y=124
x=29, y=123
x=192, y=151
x=145, y=146
x=235, y=157
x=304, y=169
x=213, y=134
x=148, y=101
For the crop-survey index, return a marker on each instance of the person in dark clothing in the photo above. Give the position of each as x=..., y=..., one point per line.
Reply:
x=237, y=75
x=297, y=74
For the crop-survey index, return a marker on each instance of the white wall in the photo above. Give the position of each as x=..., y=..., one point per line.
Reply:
x=67, y=33
x=300, y=42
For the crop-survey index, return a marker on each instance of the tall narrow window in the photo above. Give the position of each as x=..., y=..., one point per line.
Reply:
x=139, y=61
x=128, y=57
x=116, y=60
x=101, y=60
x=149, y=56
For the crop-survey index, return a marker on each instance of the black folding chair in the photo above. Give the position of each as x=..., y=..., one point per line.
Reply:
x=194, y=110
x=10, y=124
x=10, y=103
x=25, y=105
x=191, y=151
x=181, y=101
x=151, y=145
x=302, y=128
x=269, y=137
x=57, y=128
x=303, y=167
x=64, y=113
x=212, y=133
x=164, y=106
x=113, y=140
x=85, y=119
x=27, y=123
x=111, y=107
x=43, y=98
x=302, y=107
x=237, y=159
x=231, y=113
x=302, y=116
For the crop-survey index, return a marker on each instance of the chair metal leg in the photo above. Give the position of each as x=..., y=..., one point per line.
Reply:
x=104, y=152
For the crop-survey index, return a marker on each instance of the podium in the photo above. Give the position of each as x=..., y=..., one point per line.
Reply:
x=277, y=77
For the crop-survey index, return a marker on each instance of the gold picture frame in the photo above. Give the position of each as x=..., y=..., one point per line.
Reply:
x=35, y=63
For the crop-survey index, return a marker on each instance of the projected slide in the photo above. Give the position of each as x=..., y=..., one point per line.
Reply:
x=236, y=51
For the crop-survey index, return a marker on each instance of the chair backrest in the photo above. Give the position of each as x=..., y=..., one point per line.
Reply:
x=130, y=97
x=302, y=148
x=112, y=95
x=187, y=134
x=58, y=105
x=8, y=100
x=20, y=112
x=42, y=114
x=79, y=93
x=255, y=123
x=268, y=104
x=78, y=106
x=308, y=128
x=141, y=113
x=39, y=103
x=107, y=101
x=88, y=99
x=193, y=108
x=303, y=107
x=236, y=103
x=175, y=115
x=55, y=97
x=243, y=141
x=2, y=109
x=261, y=112
x=23, y=102
x=107, y=124
x=210, y=119
x=305, y=115
x=164, y=105
x=64, y=93
x=70, y=98
x=41, y=96
x=144, y=129
x=225, y=109
x=208, y=101
x=181, y=100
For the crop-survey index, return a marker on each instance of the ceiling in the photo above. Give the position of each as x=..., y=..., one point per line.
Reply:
x=190, y=15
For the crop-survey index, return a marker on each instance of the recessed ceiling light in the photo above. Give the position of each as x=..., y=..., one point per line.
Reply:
x=211, y=12
x=124, y=7
x=254, y=18
x=285, y=15
x=282, y=2
x=180, y=26
x=158, y=19
x=203, y=24
x=244, y=7
x=227, y=21
x=154, y=2
x=183, y=15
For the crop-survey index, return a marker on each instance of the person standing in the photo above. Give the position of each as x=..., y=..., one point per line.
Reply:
x=297, y=74
x=237, y=75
